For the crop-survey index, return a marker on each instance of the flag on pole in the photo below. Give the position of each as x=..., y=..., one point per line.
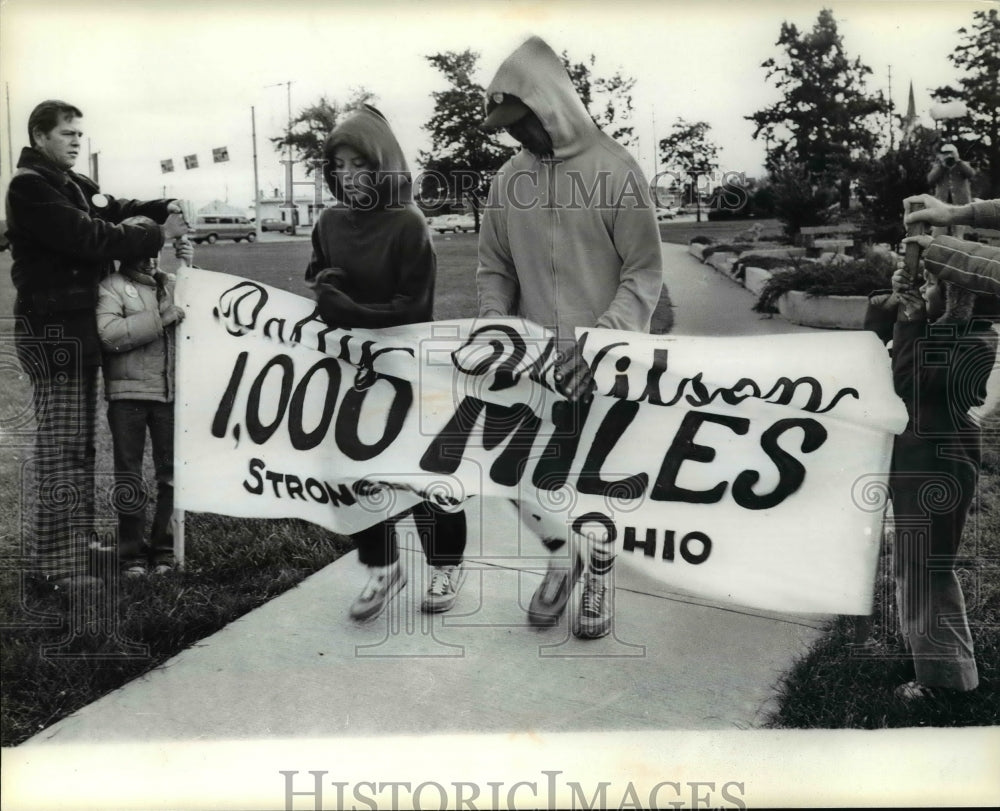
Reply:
x=190, y=161
x=220, y=154
x=167, y=165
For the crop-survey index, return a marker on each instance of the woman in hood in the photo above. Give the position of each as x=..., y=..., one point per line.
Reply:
x=373, y=266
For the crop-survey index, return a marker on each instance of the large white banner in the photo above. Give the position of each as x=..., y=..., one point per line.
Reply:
x=748, y=469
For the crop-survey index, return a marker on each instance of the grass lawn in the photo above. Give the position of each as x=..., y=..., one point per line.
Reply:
x=49, y=670
x=281, y=264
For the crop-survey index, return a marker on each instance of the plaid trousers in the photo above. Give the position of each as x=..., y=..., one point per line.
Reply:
x=62, y=523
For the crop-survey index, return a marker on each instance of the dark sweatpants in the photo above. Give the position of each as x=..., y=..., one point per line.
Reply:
x=442, y=536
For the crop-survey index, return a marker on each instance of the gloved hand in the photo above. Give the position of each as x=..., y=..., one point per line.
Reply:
x=572, y=373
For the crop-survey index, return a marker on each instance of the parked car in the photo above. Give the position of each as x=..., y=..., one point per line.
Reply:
x=212, y=228
x=453, y=222
x=664, y=214
x=274, y=225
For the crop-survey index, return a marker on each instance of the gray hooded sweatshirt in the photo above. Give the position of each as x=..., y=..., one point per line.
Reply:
x=570, y=241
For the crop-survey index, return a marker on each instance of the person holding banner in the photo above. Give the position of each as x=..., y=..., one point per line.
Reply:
x=569, y=239
x=64, y=234
x=941, y=360
x=136, y=319
x=373, y=265
x=971, y=265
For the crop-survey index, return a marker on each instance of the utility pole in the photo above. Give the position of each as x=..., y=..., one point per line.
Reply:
x=10, y=148
x=289, y=182
x=256, y=183
x=892, y=141
x=656, y=163
x=656, y=148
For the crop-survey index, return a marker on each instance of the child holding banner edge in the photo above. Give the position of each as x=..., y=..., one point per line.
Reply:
x=942, y=358
x=136, y=322
x=373, y=266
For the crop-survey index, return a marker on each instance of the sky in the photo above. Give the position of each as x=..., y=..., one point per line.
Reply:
x=160, y=80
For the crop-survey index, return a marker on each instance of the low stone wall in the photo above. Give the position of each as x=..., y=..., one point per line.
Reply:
x=754, y=279
x=825, y=312
x=723, y=261
x=747, y=257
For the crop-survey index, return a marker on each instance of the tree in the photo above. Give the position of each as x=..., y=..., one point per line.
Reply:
x=827, y=122
x=979, y=58
x=466, y=158
x=607, y=99
x=313, y=123
x=800, y=198
x=462, y=155
x=688, y=143
x=688, y=152
x=888, y=180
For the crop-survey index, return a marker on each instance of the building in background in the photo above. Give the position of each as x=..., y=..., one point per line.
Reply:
x=273, y=206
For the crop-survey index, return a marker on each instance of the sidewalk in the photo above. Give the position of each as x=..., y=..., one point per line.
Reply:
x=307, y=671
x=708, y=303
x=298, y=652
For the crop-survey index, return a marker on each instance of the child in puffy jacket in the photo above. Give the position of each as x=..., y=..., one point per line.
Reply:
x=136, y=321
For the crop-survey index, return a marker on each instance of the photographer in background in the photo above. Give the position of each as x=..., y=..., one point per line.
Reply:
x=949, y=177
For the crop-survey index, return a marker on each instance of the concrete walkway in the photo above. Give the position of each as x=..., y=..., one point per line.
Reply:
x=307, y=671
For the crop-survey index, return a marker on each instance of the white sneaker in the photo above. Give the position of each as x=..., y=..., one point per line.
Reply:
x=446, y=582
x=593, y=620
x=382, y=586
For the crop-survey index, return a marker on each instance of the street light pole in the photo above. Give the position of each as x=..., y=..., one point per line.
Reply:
x=256, y=181
x=289, y=182
x=696, y=160
x=290, y=193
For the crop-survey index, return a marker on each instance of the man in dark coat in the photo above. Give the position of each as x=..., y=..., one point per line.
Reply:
x=64, y=235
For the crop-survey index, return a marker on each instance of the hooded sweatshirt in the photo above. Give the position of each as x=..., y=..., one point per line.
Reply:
x=377, y=249
x=570, y=240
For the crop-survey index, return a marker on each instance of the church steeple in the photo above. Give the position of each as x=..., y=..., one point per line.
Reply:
x=910, y=121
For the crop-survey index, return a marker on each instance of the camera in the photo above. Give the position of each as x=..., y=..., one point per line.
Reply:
x=949, y=160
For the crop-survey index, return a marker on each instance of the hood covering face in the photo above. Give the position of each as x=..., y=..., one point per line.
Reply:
x=368, y=133
x=536, y=75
